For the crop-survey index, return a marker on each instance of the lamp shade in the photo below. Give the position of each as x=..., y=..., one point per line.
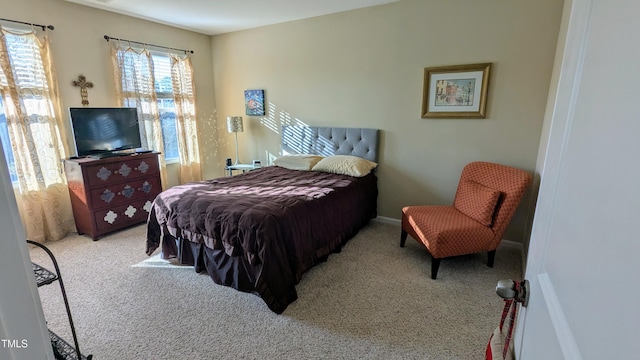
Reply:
x=234, y=124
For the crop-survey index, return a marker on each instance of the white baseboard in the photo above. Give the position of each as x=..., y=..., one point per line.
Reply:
x=387, y=220
x=511, y=244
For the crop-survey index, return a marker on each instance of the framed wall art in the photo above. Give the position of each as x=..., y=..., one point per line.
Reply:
x=254, y=102
x=458, y=91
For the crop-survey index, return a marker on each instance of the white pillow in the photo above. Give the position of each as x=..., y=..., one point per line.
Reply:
x=297, y=162
x=345, y=165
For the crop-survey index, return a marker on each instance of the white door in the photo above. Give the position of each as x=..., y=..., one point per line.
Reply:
x=23, y=330
x=584, y=257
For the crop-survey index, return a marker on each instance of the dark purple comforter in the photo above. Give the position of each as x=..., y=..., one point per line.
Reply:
x=259, y=231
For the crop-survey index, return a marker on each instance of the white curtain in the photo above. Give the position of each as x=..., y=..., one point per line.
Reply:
x=135, y=87
x=186, y=125
x=30, y=99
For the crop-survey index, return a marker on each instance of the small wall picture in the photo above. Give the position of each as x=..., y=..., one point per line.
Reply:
x=254, y=102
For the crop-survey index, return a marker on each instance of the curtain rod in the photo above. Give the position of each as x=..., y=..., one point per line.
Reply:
x=107, y=37
x=44, y=27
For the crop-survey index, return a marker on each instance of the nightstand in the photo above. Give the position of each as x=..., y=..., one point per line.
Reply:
x=242, y=167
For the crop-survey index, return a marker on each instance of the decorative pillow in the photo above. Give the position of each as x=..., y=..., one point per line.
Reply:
x=477, y=201
x=297, y=162
x=345, y=165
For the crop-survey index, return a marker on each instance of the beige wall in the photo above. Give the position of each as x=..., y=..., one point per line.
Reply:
x=364, y=68
x=361, y=68
x=78, y=47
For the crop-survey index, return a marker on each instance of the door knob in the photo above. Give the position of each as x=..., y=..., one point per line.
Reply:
x=510, y=289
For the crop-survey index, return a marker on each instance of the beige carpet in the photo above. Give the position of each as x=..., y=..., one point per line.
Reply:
x=374, y=300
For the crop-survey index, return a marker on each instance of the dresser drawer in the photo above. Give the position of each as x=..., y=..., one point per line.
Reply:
x=125, y=192
x=123, y=215
x=107, y=173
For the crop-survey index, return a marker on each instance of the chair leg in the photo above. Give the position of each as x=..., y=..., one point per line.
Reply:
x=435, y=264
x=403, y=237
x=491, y=256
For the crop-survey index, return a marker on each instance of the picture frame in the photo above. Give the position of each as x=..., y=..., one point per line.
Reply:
x=458, y=91
x=254, y=102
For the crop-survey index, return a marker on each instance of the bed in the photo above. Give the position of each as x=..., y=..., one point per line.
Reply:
x=259, y=231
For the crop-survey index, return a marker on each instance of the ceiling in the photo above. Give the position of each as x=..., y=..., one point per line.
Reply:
x=213, y=17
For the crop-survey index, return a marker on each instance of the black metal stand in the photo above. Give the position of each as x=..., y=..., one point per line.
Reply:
x=45, y=277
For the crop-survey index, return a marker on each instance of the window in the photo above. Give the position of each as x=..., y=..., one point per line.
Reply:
x=23, y=53
x=6, y=144
x=31, y=136
x=166, y=107
x=150, y=81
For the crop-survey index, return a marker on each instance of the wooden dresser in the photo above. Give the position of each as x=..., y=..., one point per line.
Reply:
x=112, y=193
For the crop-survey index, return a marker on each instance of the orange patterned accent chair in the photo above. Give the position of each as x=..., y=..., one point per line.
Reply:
x=485, y=201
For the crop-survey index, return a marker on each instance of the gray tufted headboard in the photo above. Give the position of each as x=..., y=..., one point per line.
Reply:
x=327, y=141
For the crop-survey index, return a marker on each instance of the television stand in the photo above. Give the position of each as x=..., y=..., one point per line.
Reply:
x=112, y=193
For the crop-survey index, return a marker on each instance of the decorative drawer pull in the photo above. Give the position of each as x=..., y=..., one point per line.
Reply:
x=103, y=173
x=143, y=167
x=146, y=187
x=128, y=191
x=131, y=211
x=125, y=170
x=107, y=196
x=110, y=217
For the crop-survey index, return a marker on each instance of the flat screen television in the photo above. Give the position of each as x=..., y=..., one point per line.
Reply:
x=104, y=131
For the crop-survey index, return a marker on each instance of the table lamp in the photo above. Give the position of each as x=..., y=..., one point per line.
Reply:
x=234, y=125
